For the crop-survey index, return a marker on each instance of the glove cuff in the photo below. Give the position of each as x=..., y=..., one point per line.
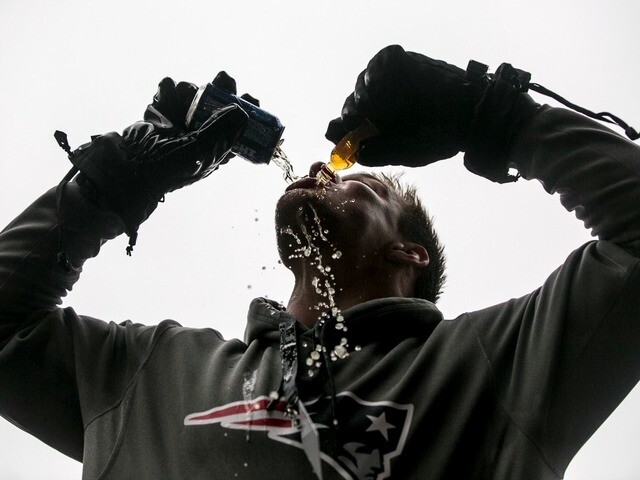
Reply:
x=105, y=166
x=499, y=115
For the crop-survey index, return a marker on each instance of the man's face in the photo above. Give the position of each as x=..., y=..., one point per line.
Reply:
x=356, y=213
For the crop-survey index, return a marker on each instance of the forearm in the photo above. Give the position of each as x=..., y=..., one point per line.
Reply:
x=595, y=171
x=30, y=277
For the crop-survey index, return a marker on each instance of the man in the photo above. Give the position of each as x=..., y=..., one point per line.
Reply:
x=356, y=377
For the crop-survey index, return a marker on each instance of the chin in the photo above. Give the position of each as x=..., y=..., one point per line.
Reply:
x=293, y=207
x=304, y=218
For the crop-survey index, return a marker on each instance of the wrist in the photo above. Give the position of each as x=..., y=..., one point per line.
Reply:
x=110, y=179
x=501, y=112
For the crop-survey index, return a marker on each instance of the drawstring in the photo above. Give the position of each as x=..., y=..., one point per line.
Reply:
x=296, y=410
x=602, y=116
x=332, y=387
x=63, y=259
x=477, y=72
x=132, y=232
x=133, y=237
x=289, y=354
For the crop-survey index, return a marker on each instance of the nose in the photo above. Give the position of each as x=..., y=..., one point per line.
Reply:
x=315, y=168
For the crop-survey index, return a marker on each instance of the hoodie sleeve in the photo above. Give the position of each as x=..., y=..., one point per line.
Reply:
x=565, y=356
x=47, y=355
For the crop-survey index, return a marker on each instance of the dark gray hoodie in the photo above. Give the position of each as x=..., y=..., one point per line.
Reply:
x=509, y=392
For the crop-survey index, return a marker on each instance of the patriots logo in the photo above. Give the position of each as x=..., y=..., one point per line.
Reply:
x=371, y=434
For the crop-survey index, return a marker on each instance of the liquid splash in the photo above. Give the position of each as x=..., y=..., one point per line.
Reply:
x=307, y=243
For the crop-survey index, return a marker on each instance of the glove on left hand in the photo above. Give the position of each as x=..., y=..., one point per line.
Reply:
x=133, y=171
x=422, y=108
x=427, y=110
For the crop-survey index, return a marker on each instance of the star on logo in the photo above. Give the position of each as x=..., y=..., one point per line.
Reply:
x=380, y=424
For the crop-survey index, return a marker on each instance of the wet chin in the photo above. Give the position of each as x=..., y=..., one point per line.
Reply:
x=300, y=213
x=294, y=207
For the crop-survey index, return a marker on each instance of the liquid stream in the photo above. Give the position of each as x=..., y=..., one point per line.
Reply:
x=280, y=159
x=306, y=244
x=342, y=157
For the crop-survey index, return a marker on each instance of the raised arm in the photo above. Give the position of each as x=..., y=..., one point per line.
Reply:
x=427, y=110
x=51, y=359
x=122, y=178
x=564, y=356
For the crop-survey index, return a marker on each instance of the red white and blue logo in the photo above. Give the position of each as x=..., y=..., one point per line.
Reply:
x=371, y=434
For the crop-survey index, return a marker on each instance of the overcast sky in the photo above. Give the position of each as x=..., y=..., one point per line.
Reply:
x=88, y=68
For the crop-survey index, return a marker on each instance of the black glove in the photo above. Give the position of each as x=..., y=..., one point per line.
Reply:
x=426, y=110
x=172, y=101
x=132, y=172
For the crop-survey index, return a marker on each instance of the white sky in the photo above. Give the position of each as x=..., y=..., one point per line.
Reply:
x=87, y=68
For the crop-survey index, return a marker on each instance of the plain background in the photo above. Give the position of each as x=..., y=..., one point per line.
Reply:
x=87, y=68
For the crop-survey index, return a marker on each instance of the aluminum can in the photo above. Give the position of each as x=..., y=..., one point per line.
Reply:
x=260, y=138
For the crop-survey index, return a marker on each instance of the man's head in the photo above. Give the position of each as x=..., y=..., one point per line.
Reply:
x=373, y=222
x=417, y=225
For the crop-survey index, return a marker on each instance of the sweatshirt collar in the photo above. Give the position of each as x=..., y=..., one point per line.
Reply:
x=403, y=317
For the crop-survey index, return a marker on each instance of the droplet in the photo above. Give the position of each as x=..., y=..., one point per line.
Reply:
x=340, y=351
x=315, y=355
x=357, y=348
x=264, y=268
x=337, y=254
x=249, y=287
x=309, y=362
x=339, y=326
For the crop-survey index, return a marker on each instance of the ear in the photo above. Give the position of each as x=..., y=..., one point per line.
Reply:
x=407, y=253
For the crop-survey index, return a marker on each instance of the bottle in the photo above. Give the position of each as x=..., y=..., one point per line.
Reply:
x=261, y=137
x=344, y=153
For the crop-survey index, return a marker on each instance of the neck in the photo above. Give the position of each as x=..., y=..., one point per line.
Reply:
x=315, y=293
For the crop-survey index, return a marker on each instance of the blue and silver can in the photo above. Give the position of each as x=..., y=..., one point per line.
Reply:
x=260, y=138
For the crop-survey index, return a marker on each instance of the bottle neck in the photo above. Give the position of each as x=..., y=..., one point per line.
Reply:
x=325, y=175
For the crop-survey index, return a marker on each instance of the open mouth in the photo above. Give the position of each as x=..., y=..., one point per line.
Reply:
x=306, y=182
